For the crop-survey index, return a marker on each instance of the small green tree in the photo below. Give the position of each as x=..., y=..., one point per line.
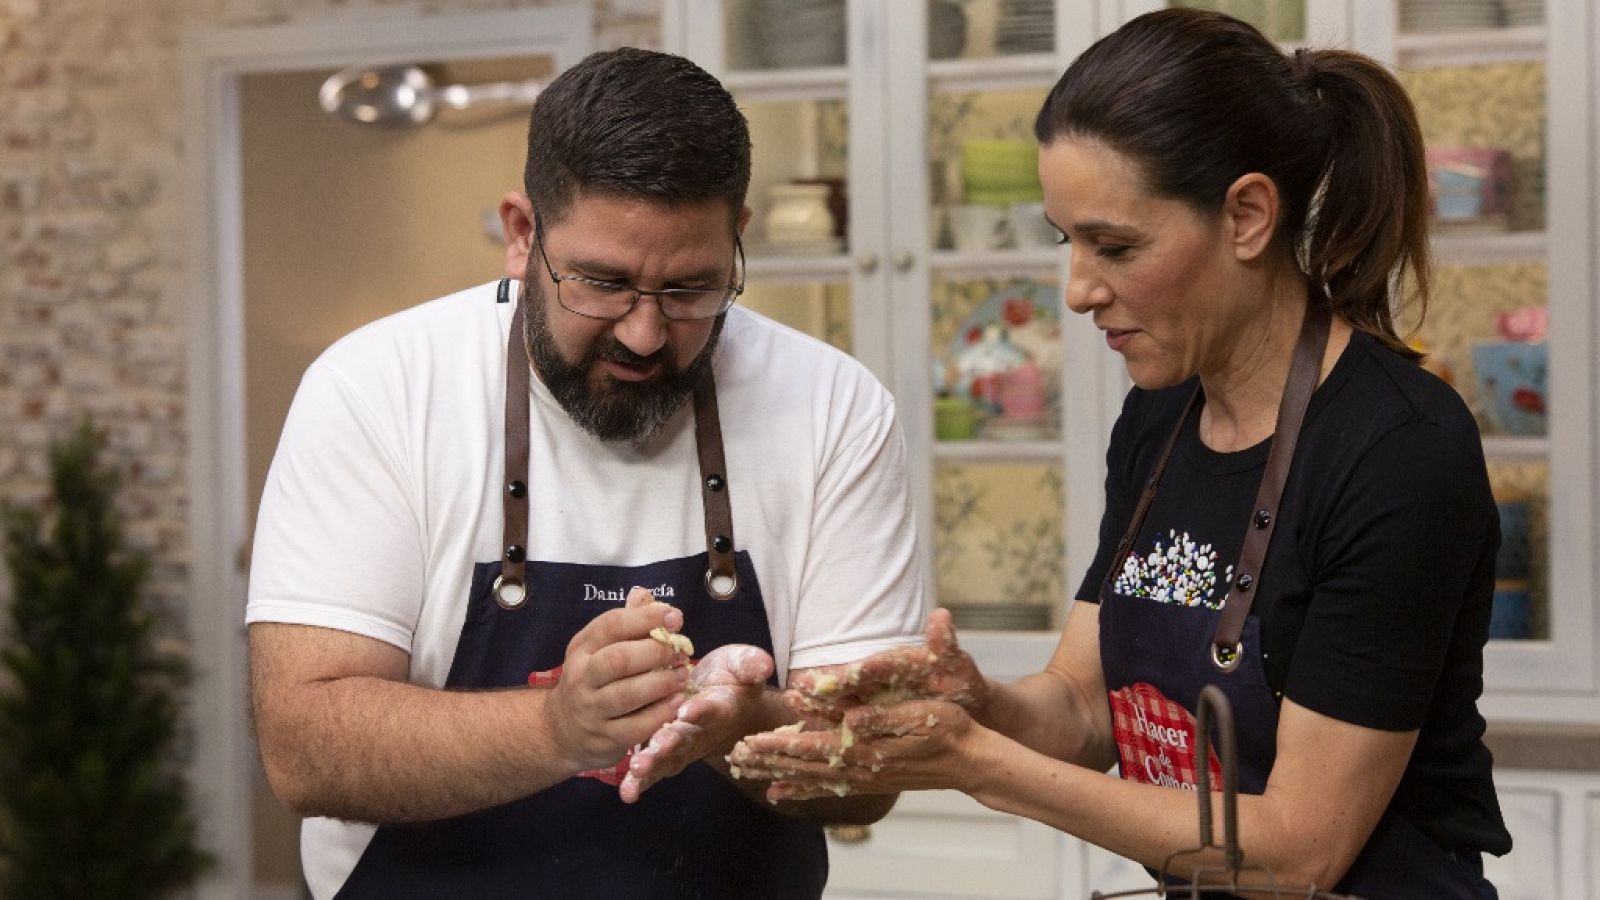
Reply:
x=92, y=802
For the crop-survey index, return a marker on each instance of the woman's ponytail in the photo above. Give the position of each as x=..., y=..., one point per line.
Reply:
x=1366, y=230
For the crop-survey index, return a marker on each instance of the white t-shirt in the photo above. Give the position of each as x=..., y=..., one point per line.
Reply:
x=386, y=489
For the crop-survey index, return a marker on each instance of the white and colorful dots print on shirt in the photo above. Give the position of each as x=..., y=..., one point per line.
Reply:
x=1181, y=572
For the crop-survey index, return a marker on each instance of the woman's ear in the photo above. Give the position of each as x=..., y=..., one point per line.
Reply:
x=516, y=220
x=1251, y=208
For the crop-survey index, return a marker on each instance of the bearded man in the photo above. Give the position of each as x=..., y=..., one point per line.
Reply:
x=503, y=630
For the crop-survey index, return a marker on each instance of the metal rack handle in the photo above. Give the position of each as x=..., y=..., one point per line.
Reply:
x=1213, y=702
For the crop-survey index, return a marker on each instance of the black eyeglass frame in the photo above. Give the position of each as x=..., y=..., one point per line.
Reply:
x=732, y=292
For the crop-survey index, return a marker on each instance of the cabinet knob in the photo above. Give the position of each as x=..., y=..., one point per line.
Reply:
x=868, y=263
x=903, y=260
x=850, y=834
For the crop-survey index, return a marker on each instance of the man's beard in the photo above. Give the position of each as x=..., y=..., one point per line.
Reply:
x=617, y=410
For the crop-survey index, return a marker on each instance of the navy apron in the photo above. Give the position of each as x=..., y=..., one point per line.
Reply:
x=1156, y=657
x=690, y=836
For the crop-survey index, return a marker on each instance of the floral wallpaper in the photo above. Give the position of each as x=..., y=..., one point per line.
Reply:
x=1501, y=105
x=998, y=533
x=1461, y=313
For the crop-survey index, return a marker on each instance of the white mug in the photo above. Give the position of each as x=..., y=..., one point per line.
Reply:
x=976, y=228
x=1030, y=227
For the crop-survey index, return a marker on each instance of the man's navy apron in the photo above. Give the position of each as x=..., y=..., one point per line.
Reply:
x=1157, y=656
x=690, y=836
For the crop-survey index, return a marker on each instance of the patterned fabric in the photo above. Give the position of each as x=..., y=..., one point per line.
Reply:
x=1156, y=739
x=1182, y=572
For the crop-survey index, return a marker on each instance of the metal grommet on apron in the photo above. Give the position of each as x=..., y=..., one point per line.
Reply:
x=511, y=587
x=1227, y=648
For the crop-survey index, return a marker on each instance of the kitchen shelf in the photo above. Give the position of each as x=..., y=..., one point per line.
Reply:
x=1471, y=48
x=789, y=85
x=998, y=263
x=997, y=73
x=832, y=267
x=1512, y=448
x=1488, y=248
x=998, y=451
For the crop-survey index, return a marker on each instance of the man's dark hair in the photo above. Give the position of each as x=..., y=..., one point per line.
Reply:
x=636, y=124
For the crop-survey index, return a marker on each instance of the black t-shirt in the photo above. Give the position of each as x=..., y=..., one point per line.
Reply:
x=1374, y=602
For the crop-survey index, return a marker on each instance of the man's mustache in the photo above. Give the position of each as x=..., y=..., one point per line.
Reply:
x=615, y=351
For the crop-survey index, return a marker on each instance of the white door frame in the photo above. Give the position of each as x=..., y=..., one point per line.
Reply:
x=215, y=61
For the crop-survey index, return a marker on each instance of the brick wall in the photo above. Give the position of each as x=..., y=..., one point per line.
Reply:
x=92, y=250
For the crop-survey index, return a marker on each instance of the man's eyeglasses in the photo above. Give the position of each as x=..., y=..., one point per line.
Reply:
x=613, y=300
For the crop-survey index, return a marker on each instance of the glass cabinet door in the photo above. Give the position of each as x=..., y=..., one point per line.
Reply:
x=786, y=62
x=1283, y=21
x=799, y=229
x=1480, y=91
x=1505, y=103
x=993, y=344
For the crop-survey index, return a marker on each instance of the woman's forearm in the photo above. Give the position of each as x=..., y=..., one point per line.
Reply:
x=1050, y=715
x=1141, y=822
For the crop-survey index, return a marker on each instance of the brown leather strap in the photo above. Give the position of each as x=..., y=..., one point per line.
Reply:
x=1130, y=535
x=722, y=581
x=511, y=588
x=1305, y=370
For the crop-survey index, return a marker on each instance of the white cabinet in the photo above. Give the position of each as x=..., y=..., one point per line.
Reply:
x=943, y=844
x=1525, y=94
x=1589, y=848
x=882, y=98
x=889, y=108
x=1529, y=871
x=1009, y=521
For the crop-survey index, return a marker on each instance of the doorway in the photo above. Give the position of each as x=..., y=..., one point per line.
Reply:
x=303, y=228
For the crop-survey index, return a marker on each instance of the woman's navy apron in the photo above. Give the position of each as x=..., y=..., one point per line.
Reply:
x=1156, y=657
x=690, y=836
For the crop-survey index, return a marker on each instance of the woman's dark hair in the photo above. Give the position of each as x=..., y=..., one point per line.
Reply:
x=637, y=124
x=1198, y=99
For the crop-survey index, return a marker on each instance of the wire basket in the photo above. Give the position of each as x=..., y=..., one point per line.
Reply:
x=1213, y=702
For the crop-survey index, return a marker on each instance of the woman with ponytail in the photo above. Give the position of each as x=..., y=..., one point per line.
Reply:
x=1296, y=512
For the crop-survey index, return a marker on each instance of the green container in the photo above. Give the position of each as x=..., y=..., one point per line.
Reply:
x=954, y=419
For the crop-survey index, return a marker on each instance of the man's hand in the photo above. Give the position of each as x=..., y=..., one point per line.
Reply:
x=937, y=670
x=617, y=684
x=723, y=692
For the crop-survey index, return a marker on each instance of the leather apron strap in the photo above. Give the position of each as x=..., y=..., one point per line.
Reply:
x=1304, y=371
x=510, y=588
x=722, y=582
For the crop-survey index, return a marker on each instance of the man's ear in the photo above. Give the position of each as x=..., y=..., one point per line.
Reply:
x=744, y=219
x=516, y=220
x=1251, y=210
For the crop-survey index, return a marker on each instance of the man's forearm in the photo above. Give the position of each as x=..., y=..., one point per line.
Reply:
x=374, y=750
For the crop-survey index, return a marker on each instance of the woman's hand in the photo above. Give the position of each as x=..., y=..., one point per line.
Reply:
x=937, y=670
x=894, y=721
x=913, y=745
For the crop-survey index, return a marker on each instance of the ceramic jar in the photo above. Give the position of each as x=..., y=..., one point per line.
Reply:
x=798, y=213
